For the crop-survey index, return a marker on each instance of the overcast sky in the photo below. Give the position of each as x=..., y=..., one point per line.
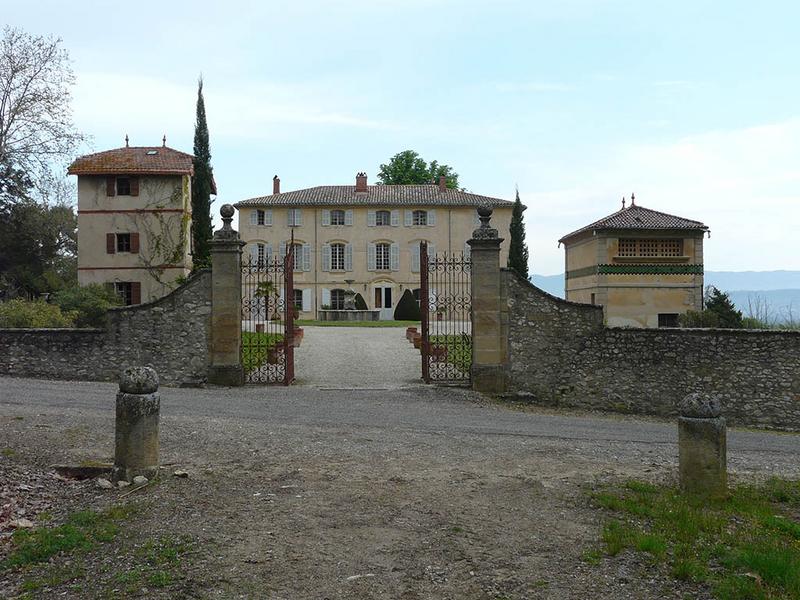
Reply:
x=692, y=105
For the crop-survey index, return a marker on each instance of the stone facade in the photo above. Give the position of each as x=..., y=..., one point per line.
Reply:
x=171, y=335
x=561, y=354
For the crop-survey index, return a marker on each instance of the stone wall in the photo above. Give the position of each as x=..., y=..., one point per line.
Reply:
x=561, y=354
x=170, y=334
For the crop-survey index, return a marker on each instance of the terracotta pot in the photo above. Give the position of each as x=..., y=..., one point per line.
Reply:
x=417, y=340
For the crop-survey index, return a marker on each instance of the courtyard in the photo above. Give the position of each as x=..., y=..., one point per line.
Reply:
x=302, y=492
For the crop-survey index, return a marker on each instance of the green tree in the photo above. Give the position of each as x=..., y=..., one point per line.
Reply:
x=719, y=304
x=407, y=308
x=89, y=303
x=202, y=186
x=408, y=167
x=38, y=247
x=518, y=249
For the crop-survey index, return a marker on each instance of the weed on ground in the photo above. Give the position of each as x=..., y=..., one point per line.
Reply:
x=746, y=546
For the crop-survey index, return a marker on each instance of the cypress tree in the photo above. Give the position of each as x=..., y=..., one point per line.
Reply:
x=518, y=250
x=201, y=186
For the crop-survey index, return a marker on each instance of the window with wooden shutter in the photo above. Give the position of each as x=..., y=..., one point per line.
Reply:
x=415, y=253
x=348, y=257
x=111, y=186
x=371, y=252
x=326, y=218
x=306, y=257
x=253, y=217
x=371, y=217
x=111, y=243
x=135, y=242
x=123, y=186
x=136, y=292
x=326, y=257
x=432, y=218
x=409, y=218
x=395, y=218
x=383, y=218
x=348, y=217
x=134, y=186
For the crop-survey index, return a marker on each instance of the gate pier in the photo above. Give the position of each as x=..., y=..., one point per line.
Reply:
x=226, y=304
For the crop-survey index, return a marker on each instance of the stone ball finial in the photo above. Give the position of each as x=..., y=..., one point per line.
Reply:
x=698, y=405
x=226, y=210
x=485, y=210
x=138, y=380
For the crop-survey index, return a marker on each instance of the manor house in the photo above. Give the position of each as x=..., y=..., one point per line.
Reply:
x=362, y=237
x=134, y=219
x=643, y=266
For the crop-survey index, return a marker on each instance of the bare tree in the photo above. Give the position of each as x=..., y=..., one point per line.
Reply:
x=36, y=128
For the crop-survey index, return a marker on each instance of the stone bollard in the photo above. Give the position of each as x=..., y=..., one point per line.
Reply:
x=702, y=446
x=138, y=404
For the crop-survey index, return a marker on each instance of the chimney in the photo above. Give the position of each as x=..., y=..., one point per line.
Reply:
x=442, y=184
x=361, y=182
x=276, y=185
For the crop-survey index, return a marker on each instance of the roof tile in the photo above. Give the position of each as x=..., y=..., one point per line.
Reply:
x=639, y=217
x=376, y=195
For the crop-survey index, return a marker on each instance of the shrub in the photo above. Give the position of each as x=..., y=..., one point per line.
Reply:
x=407, y=309
x=90, y=303
x=23, y=313
x=360, y=304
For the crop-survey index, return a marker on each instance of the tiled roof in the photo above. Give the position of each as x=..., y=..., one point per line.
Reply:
x=376, y=195
x=639, y=217
x=150, y=160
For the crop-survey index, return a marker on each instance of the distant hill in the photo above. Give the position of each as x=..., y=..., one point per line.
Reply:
x=778, y=291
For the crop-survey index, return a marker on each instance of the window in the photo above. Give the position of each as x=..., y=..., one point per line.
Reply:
x=337, y=257
x=383, y=218
x=123, y=242
x=295, y=217
x=337, y=217
x=298, y=299
x=124, y=290
x=261, y=254
x=668, y=319
x=123, y=186
x=382, y=252
x=298, y=256
x=260, y=218
x=650, y=248
x=420, y=217
x=337, y=299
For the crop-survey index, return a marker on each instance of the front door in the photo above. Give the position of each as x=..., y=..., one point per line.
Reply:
x=384, y=301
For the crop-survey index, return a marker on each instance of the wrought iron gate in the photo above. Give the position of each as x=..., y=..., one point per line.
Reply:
x=446, y=313
x=268, y=314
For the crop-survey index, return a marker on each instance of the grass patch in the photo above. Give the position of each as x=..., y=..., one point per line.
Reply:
x=82, y=531
x=746, y=546
x=312, y=323
x=459, y=349
x=256, y=346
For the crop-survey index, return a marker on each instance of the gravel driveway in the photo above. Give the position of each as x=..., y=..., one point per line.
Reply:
x=407, y=493
x=357, y=357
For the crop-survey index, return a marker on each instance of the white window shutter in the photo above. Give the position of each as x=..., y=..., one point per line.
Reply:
x=409, y=218
x=326, y=297
x=307, y=299
x=370, y=256
x=326, y=218
x=394, y=256
x=289, y=217
x=326, y=257
x=268, y=252
x=431, y=252
x=348, y=257
x=348, y=217
x=254, y=217
x=254, y=254
x=370, y=218
x=306, y=257
x=268, y=216
x=282, y=250
x=431, y=218
x=395, y=218
x=298, y=217
x=467, y=249
x=415, y=257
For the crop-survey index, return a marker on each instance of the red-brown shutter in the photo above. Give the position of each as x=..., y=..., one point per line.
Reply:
x=135, y=243
x=134, y=186
x=136, y=292
x=111, y=243
x=111, y=186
